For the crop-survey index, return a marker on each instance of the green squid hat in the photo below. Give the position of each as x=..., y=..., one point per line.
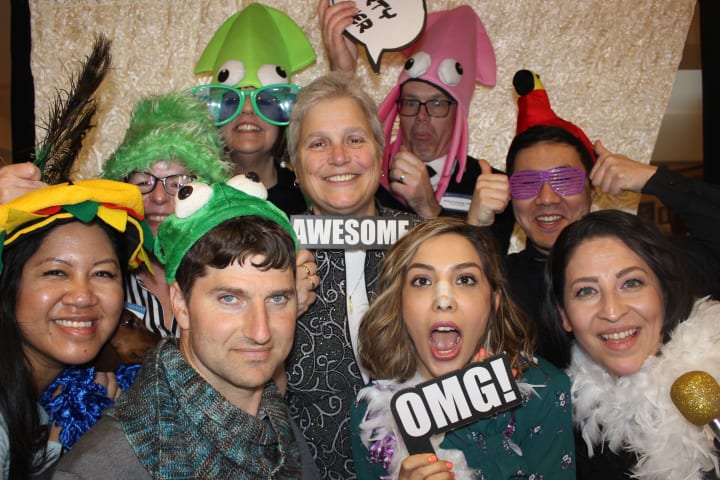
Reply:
x=169, y=127
x=200, y=207
x=255, y=47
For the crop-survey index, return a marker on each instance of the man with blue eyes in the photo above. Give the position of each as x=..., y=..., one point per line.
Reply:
x=426, y=168
x=205, y=405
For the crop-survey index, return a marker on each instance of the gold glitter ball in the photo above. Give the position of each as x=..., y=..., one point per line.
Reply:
x=697, y=395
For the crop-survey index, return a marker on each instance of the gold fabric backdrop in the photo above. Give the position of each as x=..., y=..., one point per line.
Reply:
x=608, y=65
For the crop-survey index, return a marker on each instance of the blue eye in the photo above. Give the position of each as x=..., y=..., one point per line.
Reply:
x=278, y=299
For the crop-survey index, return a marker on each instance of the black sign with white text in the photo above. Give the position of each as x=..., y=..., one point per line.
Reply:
x=344, y=232
x=478, y=391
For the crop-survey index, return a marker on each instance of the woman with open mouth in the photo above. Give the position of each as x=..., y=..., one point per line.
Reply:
x=444, y=305
x=618, y=294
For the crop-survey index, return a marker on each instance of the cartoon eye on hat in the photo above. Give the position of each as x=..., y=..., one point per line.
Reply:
x=195, y=195
x=200, y=207
x=450, y=70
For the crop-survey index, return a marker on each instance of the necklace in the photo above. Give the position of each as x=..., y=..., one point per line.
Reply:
x=355, y=265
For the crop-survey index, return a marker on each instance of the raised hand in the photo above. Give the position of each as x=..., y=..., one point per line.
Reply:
x=425, y=466
x=342, y=51
x=409, y=179
x=490, y=197
x=615, y=174
x=18, y=179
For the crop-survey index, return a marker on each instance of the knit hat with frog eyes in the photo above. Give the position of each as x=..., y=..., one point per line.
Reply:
x=200, y=207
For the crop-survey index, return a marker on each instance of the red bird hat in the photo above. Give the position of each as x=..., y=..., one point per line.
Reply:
x=534, y=108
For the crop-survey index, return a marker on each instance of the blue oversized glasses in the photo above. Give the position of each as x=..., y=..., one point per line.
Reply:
x=272, y=103
x=564, y=181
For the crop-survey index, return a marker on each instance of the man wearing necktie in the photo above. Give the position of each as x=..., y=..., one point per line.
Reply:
x=432, y=97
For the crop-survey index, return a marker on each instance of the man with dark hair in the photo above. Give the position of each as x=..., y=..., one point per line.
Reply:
x=205, y=406
x=552, y=169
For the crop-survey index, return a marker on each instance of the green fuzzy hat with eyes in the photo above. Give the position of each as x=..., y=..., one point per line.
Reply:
x=199, y=208
x=171, y=127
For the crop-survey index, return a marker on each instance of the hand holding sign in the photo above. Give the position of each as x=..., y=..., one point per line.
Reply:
x=386, y=25
x=478, y=391
x=425, y=465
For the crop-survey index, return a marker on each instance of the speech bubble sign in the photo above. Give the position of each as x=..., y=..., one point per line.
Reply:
x=478, y=391
x=386, y=25
x=349, y=232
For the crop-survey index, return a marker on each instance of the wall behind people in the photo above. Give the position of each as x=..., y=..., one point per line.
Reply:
x=610, y=64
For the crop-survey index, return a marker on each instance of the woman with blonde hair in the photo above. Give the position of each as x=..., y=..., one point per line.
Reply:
x=444, y=303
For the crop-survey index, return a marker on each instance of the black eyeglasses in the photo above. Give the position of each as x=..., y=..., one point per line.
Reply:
x=147, y=182
x=409, y=107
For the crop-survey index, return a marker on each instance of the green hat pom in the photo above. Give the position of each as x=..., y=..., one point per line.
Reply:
x=171, y=127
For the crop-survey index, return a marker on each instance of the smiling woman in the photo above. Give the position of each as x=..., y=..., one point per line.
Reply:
x=619, y=288
x=171, y=141
x=62, y=283
x=335, y=141
x=444, y=304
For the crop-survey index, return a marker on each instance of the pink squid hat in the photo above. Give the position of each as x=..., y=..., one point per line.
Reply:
x=452, y=54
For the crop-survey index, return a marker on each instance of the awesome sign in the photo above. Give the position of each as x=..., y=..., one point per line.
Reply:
x=341, y=232
x=478, y=391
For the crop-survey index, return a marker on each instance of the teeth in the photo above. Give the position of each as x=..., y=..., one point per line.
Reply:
x=247, y=127
x=341, y=178
x=157, y=218
x=620, y=335
x=73, y=324
x=549, y=218
x=445, y=329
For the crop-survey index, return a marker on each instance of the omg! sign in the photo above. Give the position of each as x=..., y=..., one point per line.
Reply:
x=478, y=391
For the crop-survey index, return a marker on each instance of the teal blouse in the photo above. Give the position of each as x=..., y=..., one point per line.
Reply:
x=534, y=440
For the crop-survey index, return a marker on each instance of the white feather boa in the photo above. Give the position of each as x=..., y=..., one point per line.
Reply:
x=636, y=413
x=379, y=423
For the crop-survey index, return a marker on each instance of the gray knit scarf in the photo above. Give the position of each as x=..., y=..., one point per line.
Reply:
x=181, y=427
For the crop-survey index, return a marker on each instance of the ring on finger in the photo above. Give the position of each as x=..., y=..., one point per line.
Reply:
x=402, y=178
x=312, y=283
x=307, y=269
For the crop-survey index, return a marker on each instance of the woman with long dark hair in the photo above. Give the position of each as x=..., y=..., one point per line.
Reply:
x=65, y=250
x=618, y=295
